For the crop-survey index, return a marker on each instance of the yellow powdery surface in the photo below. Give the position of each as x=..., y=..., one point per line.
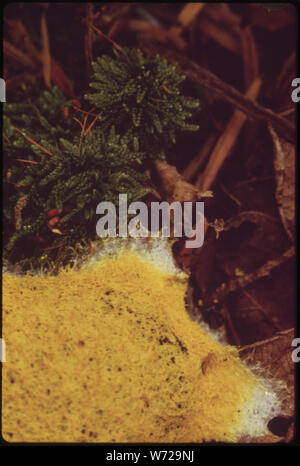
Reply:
x=109, y=354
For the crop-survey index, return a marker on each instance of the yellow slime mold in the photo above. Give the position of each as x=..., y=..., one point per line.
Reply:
x=109, y=354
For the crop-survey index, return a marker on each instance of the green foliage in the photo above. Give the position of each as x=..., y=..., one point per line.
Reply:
x=54, y=176
x=140, y=95
x=42, y=121
x=78, y=176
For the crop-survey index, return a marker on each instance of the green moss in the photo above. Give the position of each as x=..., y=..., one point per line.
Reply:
x=141, y=96
x=77, y=176
x=52, y=163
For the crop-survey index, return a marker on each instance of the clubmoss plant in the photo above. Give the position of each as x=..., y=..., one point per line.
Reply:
x=141, y=96
x=44, y=120
x=55, y=175
x=56, y=195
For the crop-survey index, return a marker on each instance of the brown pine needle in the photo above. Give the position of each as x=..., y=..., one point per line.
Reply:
x=78, y=121
x=46, y=57
x=226, y=141
x=28, y=161
x=189, y=13
x=91, y=125
x=107, y=38
x=6, y=138
x=82, y=130
x=86, y=113
x=165, y=88
x=32, y=141
x=262, y=310
x=16, y=184
x=52, y=247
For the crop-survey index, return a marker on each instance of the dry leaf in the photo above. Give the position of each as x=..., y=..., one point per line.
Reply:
x=274, y=355
x=284, y=166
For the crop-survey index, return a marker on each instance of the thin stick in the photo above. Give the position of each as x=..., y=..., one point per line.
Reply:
x=288, y=111
x=91, y=125
x=225, y=91
x=83, y=111
x=15, y=184
x=197, y=162
x=189, y=13
x=241, y=283
x=250, y=57
x=46, y=57
x=231, y=326
x=28, y=161
x=82, y=131
x=78, y=121
x=52, y=247
x=220, y=35
x=107, y=38
x=226, y=142
x=258, y=306
x=11, y=52
x=6, y=138
x=268, y=340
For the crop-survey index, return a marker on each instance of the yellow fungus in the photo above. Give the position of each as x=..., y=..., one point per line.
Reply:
x=108, y=353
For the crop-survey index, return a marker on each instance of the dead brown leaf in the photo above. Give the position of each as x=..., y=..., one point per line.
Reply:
x=284, y=167
x=275, y=358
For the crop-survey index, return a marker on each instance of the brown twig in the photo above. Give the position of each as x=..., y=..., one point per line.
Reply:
x=253, y=180
x=6, y=138
x=189, y=12
x=226, y=142
x=221, y=13
x=98, y=31
x=46, y=57
x=240, y=283
x=33, y=57
x=78, y=121
x=11, y=52
x=88, y=39
x=86, y=113
x=288, y=111
x=28, y=161
x=91, y=125
x=82, y=131
x=227, y=316
x=52, y=247
x=225, y=91
x=157, y=33
x=197, y=162
x=262, y=310
x=220, y=35
x=250, y=56
x=279, y=335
